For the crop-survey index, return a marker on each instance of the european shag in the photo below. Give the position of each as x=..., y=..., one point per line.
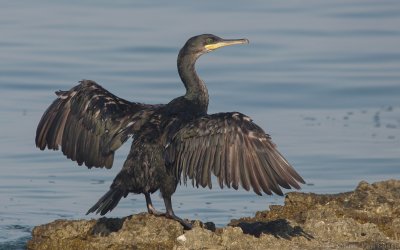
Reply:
x=171, y=142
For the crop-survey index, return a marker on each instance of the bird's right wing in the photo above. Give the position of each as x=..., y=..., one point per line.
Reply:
x=234, y=149
x=90, y=124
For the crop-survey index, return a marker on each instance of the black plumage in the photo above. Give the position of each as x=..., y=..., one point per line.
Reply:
x=171, y=143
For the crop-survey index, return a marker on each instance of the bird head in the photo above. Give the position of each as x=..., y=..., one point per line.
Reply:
x=205, y=43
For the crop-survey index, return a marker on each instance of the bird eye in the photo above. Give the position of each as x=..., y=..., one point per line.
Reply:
x=209, y=40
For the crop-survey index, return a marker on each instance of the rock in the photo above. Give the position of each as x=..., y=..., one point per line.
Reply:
x=141, y=231
x=367, y=218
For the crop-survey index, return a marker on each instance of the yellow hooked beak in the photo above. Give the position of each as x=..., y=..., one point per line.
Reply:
x=224, y=43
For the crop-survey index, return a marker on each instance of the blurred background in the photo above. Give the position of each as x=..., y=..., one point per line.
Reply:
x=322, y=77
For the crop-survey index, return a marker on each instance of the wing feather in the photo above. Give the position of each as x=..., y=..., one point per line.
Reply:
x=225, y=165
x=206, y=167
x=235, y=150
x=244, y=176
x=234, y=166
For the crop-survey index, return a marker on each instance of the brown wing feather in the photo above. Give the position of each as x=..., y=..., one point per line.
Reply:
x=234, y=149
x=89, y=123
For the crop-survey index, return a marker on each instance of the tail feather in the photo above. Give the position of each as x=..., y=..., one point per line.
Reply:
x=107, y=202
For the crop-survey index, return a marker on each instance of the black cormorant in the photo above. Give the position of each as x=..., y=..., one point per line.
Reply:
x=171, y=142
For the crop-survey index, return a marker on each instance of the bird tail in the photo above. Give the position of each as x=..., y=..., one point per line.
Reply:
x=107, y=202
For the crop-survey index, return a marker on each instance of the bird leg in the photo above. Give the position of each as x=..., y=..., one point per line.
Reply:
x=170, y=213
x=150, y=207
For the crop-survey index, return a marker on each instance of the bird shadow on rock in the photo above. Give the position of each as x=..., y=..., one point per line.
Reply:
x=280, y=228
x=104, y=226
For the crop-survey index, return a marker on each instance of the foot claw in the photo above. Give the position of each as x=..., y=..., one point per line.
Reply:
x=186, y=225
x=156, y=213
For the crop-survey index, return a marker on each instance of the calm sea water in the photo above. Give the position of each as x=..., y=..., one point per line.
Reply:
x=322, y=77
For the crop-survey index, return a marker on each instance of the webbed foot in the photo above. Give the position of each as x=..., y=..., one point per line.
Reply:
x=150, y=207
x=170, y=214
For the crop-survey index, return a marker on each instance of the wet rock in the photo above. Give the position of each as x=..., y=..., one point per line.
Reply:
x=366, y=218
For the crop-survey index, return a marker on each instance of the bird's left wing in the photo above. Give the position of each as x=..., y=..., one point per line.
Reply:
x=234, y=149
x=90, y=124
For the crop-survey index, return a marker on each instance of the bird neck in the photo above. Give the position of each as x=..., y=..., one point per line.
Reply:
x=196, y=90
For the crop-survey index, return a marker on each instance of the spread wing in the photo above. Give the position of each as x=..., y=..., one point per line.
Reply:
x=234, y=149
x=89, y=123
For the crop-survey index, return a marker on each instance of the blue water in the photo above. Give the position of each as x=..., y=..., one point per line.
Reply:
x=322, y=77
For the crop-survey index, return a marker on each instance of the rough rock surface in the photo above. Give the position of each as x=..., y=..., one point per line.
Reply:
x=367, y=218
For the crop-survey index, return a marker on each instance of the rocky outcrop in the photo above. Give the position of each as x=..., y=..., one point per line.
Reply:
x=366, y=218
